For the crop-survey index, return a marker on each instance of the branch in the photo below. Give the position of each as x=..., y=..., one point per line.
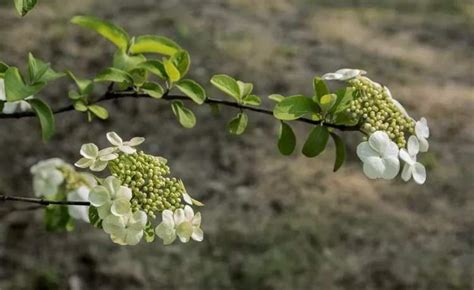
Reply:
x=170, y=97
x=42, y=201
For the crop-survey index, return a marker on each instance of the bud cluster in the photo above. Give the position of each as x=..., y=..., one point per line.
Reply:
x=378, y=111
x=148, y=178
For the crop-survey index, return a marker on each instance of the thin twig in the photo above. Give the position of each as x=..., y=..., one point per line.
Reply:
x=42, y=201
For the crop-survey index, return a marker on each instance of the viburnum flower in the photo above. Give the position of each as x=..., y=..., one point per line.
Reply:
x=380, y=156
x=182, y=223
x=344, y=74
x=77, y=211
x=126, y=230
x=412, y=167
x=47, y=177
x=12, y=107
x=127, y=146
x=93, y=158
x=111, y=198
x=422, y=132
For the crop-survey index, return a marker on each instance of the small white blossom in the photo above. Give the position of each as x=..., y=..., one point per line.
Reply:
x=422, y=132
x=380, y=156
x=183, y=224
x=126, y=230
x=12, y=107
x=412, y=167
x=344, y=74
x=111, y=198
x=93, y=158
x=47, y=178
x=77, y=211
x=127, y=146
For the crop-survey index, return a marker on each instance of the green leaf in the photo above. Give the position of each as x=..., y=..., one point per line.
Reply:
x=114, y=75
x=294, y=107
x=238, y=125
x=153, y=89
x=252, y=100
x=2, y=104
x=154, y=44
x=320, y=88
x=182, y=61
x=110, y=31
x=316, y=141
x=149, y=232
x=3, y=69
x=286, y=139
x=228, y=85
x=85, y=86
x=340, y=151
x=171, y=71
x=193, y=90
x=99, y=111
x=184, y=115
x=15, y=87
x=244, y=88
x=345, y=118
x=80, y=106
x=57, y=218
x=276, y=97
x=45, y=116
x=327, y=102
x=94, y=217
x=344, y=97
x=126, y=62
x=24, y=6
x=40, y=71
x=155, y=67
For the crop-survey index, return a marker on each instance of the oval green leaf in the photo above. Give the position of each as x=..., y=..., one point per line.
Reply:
x=228, y=85
x=184, y=115
x=153, y=89
x=238, y=125
x=340, y=151
x=316, y=141
x=193, y=90
x=294, y=107
x=45, y=116
x=154, y=44
x=286, y=139
x=15, y=87
x=115, y=75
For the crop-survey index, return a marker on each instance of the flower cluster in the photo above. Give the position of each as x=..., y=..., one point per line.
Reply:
x=388, y=125
x=55, y=179
x=139, y=186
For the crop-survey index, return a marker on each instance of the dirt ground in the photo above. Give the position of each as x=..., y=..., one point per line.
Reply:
x=271, y=222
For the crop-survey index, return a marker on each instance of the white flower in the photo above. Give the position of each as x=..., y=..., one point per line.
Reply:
x=187, y=198
x=47, y=177
x=78, y=211
x=12, y=107
x=411, y=167
x=111, y=198
x=344, y=74
x=126, y=230
x=95, y=159
x=422, y=132
x=183, y=224
x=396, y=103
x=380, y=156
x=127, y=146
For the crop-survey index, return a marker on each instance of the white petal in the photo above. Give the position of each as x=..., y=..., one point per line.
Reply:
x=10, y=107
x=405, y=156
x=113, y=185
x=98, y=196
x=135, y=141
x=114, y=225
x=89, y=150
x=422, y=129
x=139, y=219
x=379, y=141
x=374, y=167
x=133, y=237
x=187, y=198
x=391, y=150
x=419, y=173
x=167, y=217
x=364, y=151
x=104, y=210
x=127, y=149
x=392, y=167
x=108, y=157
x=184, y=231
x=124, y=192
x=406, y=172
x=332, y=76
x=84, y=163
x=424, y=145
x=79, y=212
x=120, y=207
x=198, y=235
x=348, y=73
x=2, y=90
x=166, y=233
x=119, y=239
x=98, y=165
x=24, y=106
x=179, y=216
x=188, y=213
x=197, y=220
x=413, y=145
x=114, y=139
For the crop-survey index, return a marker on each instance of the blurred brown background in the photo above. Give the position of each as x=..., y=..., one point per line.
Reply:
x=271, y=222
